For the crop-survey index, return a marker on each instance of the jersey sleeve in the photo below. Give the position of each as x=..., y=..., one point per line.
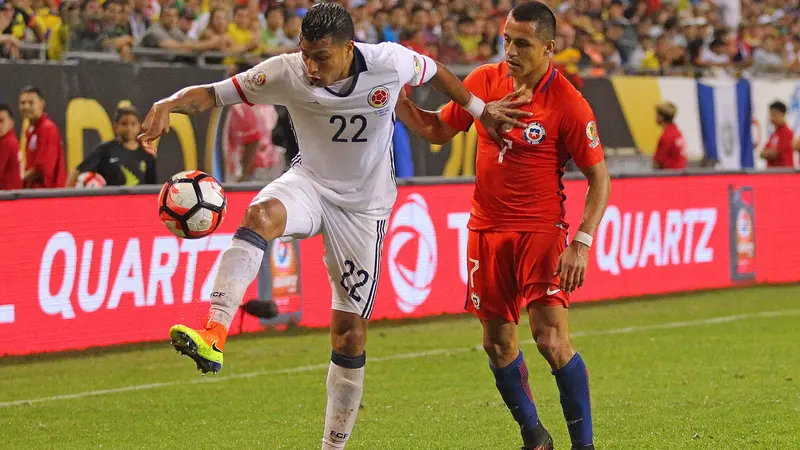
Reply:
x=263, y=84
x=579, y=134
x=453, y=114
x=412, y=68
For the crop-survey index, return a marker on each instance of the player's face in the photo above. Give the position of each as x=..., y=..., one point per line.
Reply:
x=525, y=50
x=326, y=61
x=776, y=117
x=31, y=106
x=6, y=123
x=127, y=128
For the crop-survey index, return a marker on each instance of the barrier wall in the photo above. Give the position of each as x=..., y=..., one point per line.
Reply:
x=100, y=270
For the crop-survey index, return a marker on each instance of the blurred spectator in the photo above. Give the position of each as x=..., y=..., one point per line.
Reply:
x=671, y=150
x=121, y=162
x=60, y=40
x=9, y=45
x=140, y=18
x=9, y=152
x=250, y=154
x=44, y=152
x=116, y=35
x=468, y=37
x=291, y=31
x=398, y=18
x=202, y=22
x=365, y=31
x=767, y=57
x=779, y=150
x=47, y=15
x=186, y=19
x=449, y=50
x=87, y=32
x=273, y=38
x=240, y=34
x=24, y=25
x=166, y=34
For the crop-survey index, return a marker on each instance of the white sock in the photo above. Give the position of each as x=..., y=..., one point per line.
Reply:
x=345, y=388
x=237, y=269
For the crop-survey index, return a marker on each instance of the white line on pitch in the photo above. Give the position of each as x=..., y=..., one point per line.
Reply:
x=397, y=356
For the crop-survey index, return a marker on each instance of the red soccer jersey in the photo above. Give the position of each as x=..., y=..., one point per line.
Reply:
x=10, y=177
x=671, y=151
x=518, y=187
x=781, y=140
x=45, y=152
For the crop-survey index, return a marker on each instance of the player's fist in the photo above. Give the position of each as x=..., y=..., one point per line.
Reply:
x=155, y=125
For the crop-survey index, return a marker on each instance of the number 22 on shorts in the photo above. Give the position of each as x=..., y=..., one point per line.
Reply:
x=506, y=146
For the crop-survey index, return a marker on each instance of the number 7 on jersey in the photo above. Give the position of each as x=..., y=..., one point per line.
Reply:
x=506, y=146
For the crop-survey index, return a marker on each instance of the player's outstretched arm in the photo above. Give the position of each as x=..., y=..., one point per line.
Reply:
x=427, y=125
x=189, y=100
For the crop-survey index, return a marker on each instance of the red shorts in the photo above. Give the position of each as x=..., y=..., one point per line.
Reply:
x=509, y=270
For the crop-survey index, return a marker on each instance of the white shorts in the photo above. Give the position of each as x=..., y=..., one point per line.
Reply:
x=353, y=241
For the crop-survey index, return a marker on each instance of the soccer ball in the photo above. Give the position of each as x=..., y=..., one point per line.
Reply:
x=192, y=204
x=90, y=180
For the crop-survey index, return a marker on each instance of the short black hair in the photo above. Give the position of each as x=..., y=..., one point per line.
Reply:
x=125, y=111
x=31, y=89
x=778, y=106
x=112, y=2
x=6, y=108
x=543, y=18
x=328, y=19
x=239, y=7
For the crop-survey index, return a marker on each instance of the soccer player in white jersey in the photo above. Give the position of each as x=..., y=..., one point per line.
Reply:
x=341, y=97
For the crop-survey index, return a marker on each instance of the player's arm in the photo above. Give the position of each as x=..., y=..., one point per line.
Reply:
x=769, y=152
x=256, y=85
x=582, y=141
x=416, y=69
x=427, y=125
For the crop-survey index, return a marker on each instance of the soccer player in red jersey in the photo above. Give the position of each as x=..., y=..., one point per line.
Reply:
x=779, y=151
x=517, y=248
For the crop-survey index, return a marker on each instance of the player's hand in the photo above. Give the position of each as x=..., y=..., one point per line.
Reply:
x=572, y=266
x=504, y=113
x=155, y=125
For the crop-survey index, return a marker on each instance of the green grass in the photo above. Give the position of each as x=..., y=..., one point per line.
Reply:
x=725, y=385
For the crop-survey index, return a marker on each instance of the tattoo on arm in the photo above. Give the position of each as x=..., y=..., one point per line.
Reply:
x=195, y=106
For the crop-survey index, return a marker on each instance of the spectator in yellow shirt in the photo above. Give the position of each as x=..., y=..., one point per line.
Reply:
x=468, y=37
x=240, y=32
x=60, y=38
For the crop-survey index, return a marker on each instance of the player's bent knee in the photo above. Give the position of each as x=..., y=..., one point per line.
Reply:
x=267, y=218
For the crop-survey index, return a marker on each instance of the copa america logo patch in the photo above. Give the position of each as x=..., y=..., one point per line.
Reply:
x=260, y=78
x=534, y=133
x=378, y=97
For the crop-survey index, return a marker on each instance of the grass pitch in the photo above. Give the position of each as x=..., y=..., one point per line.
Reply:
x=714, y=370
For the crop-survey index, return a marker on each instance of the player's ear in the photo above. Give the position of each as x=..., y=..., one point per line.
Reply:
x=549, y=48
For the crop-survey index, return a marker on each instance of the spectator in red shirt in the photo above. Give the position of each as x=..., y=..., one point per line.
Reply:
x=779, y=151
x=44, y=153
x=671, y=151
x=9, y=152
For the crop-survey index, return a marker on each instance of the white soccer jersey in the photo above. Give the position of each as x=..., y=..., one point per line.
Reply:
x=344, y=131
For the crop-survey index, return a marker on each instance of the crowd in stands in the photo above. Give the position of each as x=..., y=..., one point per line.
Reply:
x=594, y=36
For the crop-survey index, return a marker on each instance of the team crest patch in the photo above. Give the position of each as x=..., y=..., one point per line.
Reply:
x=476, y=301
x=260, y=78
x=417, y=68
x=535, y=133
x=378, y=97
